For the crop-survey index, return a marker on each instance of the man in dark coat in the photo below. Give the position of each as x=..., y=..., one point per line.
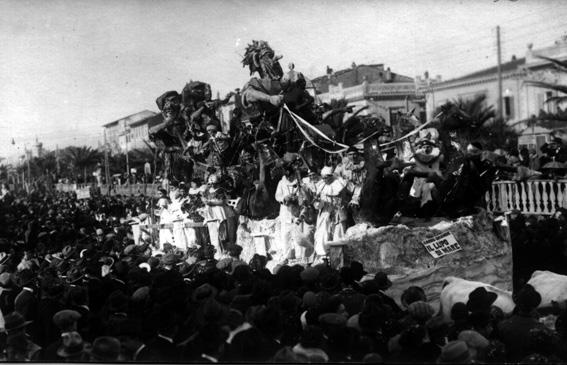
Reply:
x=515, y=331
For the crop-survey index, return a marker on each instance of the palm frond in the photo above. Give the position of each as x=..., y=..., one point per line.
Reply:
x=556, y=99
x=546, y=85
x=558, y=64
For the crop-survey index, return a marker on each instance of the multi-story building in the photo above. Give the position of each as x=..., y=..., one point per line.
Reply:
x=521, y=101
x=384, y=92
x=131, y=131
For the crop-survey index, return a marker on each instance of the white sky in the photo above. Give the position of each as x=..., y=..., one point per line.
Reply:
x=67, y=67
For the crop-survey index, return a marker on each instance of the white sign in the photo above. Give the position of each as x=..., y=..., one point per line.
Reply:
x=83, y=193
x=441, y=245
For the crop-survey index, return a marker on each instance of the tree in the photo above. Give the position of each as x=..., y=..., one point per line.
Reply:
x=476, y=121
x=81, y=158
x=545, y=119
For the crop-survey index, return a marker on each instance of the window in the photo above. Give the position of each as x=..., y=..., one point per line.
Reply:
x=508, y=107
x=551, y=106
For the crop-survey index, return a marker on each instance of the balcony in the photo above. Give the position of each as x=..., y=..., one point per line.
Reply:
x=542, y=197
x=364, y=91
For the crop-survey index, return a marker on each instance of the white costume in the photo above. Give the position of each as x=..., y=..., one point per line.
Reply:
x=165, y=235
x=329, y=226
x=285, y=190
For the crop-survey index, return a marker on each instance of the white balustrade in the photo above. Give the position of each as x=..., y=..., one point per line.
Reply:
x=529, y=197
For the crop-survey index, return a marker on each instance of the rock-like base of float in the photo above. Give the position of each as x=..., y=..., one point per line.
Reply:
x=269, y=227
x=398, y=251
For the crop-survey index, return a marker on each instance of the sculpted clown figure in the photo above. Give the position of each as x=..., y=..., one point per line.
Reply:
x=427, y=157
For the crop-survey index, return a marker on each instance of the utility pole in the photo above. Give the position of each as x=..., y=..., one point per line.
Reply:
x=500, y=111
x=106, y=167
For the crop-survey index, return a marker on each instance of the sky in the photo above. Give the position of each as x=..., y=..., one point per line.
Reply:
x=67, y=67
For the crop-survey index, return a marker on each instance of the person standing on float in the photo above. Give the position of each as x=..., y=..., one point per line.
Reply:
x=217, y=214
x=331, y=202
x=286, y=195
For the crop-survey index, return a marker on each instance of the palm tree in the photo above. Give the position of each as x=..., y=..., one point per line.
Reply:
x=562, y=67
x=81, y=158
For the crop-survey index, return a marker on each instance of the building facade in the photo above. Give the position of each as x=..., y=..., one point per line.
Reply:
x=130, y=132
x=384, y=92
x=520, y=100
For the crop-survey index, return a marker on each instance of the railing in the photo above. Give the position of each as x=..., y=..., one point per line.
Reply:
x=132, y=189
x=529, y=197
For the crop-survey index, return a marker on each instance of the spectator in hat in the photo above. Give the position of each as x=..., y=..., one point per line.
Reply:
x=383, y=284
x=480, y=300
x=105, y=349
x=18, y=345
x=26, y=301
x=65, y=322
x=8, y=293
x=72, y=348
x=515, y=331
x=52, y=290
x=310, y=345
x=162, y=347
x=455, y=352
x=460, y=320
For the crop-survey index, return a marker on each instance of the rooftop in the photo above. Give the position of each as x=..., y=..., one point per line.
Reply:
x=133, y=118
x=506, y=67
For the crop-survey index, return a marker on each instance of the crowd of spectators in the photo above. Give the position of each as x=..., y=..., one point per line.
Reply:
x=74, y=287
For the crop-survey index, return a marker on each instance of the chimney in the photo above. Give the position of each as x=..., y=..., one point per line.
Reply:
x=388, y=75
x=353, y=65
x=426, y=75
x=513, y=57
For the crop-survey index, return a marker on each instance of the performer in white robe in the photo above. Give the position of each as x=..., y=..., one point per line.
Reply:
x=165, y=235
x=331, y=221
x=286, y=195
x=177, y=218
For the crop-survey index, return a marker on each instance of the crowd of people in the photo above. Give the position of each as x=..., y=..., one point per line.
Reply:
x=75, y=287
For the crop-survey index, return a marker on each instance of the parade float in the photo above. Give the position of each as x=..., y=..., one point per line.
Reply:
x=395, y=224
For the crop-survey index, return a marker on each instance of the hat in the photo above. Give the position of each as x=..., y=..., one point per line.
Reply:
x=4, y=257
x=309, y=299
x=73, y=345
x=14, y=321
x=330, y=282
x=382, y=280
x=309, y=275
x=141, y=294
x=473, y=339
x=480, y=299
x=527, y=298
x=169, y=259
x=24, y=277
x=455, y=352
x=130, y=249
x=332, y=319
x=68, y=251
x=5, y=279
x=74, y=275
x=357, y=270
x=327, y=171
x=203, y=292
x=106, y=349
x=421, y=310
x=65, y=319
